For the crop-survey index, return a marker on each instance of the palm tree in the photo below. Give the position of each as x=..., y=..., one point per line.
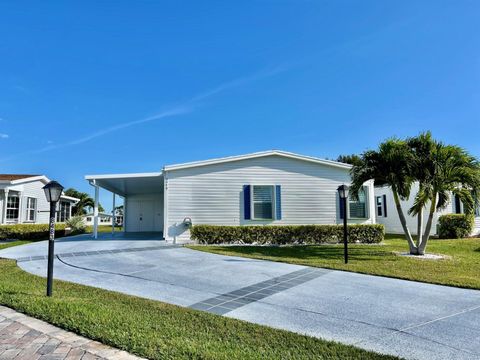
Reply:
x=443, y=170
x=85, y=202
x=390, y=165
x=440, y=170
x=422, y=146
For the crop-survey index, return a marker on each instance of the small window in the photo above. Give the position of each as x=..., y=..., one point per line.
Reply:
x=457, y=205
x=262, y=202
x=358, y=208
x=63, y=213
x=89, y=219
x=13, y=207
x=31, y=209
x=379, y=202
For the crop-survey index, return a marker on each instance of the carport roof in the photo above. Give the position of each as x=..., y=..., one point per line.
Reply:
x=129, y=184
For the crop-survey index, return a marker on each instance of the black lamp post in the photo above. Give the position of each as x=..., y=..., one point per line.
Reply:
x=53, y=191
x=343, y=193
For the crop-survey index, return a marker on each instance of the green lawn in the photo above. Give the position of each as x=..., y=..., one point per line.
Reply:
x=157, y=330
x=460, y=269
x=103, y=229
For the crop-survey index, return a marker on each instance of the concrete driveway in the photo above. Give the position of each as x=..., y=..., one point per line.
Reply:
x=404, y=318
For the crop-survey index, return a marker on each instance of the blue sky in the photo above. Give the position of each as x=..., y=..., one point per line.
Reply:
x=105, y=87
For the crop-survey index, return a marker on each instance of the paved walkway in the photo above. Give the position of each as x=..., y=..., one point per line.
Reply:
x=26, y=338
x=409, y=319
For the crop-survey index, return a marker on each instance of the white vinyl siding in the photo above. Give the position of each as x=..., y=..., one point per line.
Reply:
x=392, y=222
x=33, y=189
x=262, y=202
x=213, y=194
x=24, y=191
x=30, y=209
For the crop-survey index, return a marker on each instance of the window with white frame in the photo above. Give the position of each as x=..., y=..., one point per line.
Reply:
x=358, y=208
x=262, y=202
x=13, y=207
x=31, y=209
x=379, y=204
x=63, y=213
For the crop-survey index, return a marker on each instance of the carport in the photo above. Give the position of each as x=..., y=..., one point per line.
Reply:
x=143, y=200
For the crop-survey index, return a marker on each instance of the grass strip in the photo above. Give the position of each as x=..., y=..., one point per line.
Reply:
x=460, y=267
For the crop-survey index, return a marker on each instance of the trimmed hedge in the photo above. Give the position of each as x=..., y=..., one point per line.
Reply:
x=29, y=231
x=286, y=234
x=455, y=226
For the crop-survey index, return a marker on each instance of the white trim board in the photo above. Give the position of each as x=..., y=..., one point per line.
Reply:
x=257, y=155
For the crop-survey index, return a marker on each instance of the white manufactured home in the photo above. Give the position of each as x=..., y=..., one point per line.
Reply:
x=386, y=212
x=271, y=187
x=23, y=201
x=103, y=219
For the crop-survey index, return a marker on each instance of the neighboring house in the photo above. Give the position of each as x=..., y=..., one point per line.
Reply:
x=22, y=200
x=386, y=212
x=103, y=219
x=271, y=187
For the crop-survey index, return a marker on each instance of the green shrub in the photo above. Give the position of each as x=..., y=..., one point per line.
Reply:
x=76, y=224
x=29, y=231
x=286, y=234
x=455, y=226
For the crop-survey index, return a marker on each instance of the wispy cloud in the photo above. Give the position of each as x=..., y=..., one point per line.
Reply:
x=180, y=109
x=171, y=112
x=4, y=136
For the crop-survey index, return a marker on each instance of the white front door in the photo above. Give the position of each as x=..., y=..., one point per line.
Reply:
x=140, y=216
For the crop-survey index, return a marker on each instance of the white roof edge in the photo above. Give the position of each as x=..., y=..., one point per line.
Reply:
x=257, y=155
x=100, y=213
x=122, y=176
x=69, y=198
x=31, y=178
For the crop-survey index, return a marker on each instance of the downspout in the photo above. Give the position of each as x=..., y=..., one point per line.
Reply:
x=165, y=204
x=113, y=215
x=4, y=210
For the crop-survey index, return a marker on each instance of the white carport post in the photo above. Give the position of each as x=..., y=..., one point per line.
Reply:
x=113, y=214
x=4, y=210
x=124, y=213
x=95, y=210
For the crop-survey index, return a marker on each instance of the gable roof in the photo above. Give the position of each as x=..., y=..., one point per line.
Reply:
x=11, y=177
x=258, y=155
x=99, y=214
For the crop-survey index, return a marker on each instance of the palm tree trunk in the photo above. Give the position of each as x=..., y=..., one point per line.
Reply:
x=408, y=236
x=428, y=226
x=419, y=227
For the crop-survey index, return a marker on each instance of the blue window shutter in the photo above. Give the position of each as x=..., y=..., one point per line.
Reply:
x=340, y=201
x=384, y=205
x=246, y=202
x=278, y=202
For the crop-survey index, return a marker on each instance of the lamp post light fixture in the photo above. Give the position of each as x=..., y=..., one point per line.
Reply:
x=343, y=193
x=53, y=191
